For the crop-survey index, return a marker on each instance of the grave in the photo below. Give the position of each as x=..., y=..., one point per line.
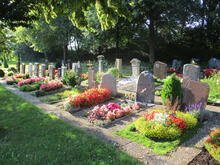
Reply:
x=30, y=69
x=43, y=70
x=52, y=72
x=63, y=71
x=194, y=92
x=118, y=64
x=46, y=64
x=101, y=63
x=176, y=64
x=135, y=64
x=108, y=82
x=18, y=66
x=74, y=67
x=213, y=63
x=191, y=71
x=160, y=70
x=145, y=88
x=23, y=68
x=36, y=69
x=69, y=64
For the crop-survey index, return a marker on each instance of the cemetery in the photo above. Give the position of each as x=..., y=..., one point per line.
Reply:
x=108, y=82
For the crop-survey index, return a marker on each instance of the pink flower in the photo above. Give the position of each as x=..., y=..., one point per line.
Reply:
x=128, y=110
x=110, y=115
x=135, y=106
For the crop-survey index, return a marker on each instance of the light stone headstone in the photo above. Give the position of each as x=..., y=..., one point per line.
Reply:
x=135, y=64
x=23, y=68
x=194, y=92
x=36, y=69
x=18, y=67
x=63, y=71
x=108, y=82
x=101, y=63
x=78, y=69
x=59, y=73
x=191, y=71
x=69, y=64
x=43, y=70
x=52, y=72
x=63, y=62
x=145, y=88
x=118, y=64
x=30, y=70
x=91, y=77
x=74, y=67
x=160, y=70
x=46, y=64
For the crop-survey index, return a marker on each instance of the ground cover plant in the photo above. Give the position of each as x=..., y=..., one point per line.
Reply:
x=31, y=80
x=214, y=84
x=34, y=137
x=31, y=87
x=111, y=111
x=161, y=131
x=213, y=144
x=88, y=98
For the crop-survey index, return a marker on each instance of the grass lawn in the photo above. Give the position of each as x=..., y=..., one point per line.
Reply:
x=160, y=147
x=29, y=136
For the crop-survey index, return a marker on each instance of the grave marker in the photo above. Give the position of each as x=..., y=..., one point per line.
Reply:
x=160, y=70
x=135, y=64
x=30, y=70
x=191, y=71
x=108, y=82
x=36, y=69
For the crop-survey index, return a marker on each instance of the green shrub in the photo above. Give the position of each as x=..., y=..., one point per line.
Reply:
x=11, y=82
x=2, y=73
x=31, y=87
x=114, y=71
x=71, y=79
x=156, y=130
x=189, y=119
x=10, y=74
x=172, y=87
x=99, y=76
x=12, y=69
x=39, y=93
x=5, y=63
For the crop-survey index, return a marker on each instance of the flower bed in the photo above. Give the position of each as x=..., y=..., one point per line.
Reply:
x=110, y=111
x=51, y=85
x=213, y=144
x=161, y=131
x=209, y=72
x=171, y=70
x=11, y=81
x=90, y=97
x=19, y=75
x=31, y=80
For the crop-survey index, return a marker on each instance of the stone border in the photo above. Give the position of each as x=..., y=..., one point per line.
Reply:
x=181, y=156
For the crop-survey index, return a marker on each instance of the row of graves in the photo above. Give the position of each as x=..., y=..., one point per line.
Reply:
x=162, y=129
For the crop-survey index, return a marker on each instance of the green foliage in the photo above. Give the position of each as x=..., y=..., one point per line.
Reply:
x=5, y=63
x=157, y=93
x=52, y=99
x=39, y=93
x=10, y=74
x=2, y=73
x=30, y=87
x=11, y=82
x=67, y=93
x=172, y=87
x=189, y=119
x=71, y=79
x=12, y=69
x=114, y=71
x=156, y=130
x=99, y=76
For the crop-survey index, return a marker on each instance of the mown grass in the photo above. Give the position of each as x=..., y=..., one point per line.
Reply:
x=34, y=137
x=160, y=147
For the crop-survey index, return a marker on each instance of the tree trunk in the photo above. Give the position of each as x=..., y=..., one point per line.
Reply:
x=151, y=39
x=64, y=52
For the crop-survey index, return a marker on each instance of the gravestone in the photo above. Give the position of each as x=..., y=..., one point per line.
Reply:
x=74, y=67
x=78, y=69
x=52, y=72
x=176, y=64
x=23, y=68
x=160, y=70
x=118, y=64
x=43, y=70
x=218, y=64
x=191, y=71
x=194, y=92
x=63, y=71
x=69, y=64
x=101, y=63
x=36, y=69
x=92, y=78
x=63, y=62
x=108, y=82
x=135, y=64
x=59, y=73
x=213, y=63
x=18, y=67
x=46, y=64
x=30, y=69
x=145, y=88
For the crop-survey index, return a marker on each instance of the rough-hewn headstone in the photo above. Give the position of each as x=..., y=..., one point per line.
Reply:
x=30, y=70
x=145, y=88
x=52, y=72
x=160, y=70
x=63, y=71
x=43, y=70
x=91, y=77
x=194, y=92
x=191, y=71
x=176, y=64
x=18, y=67
x=101, y=63
x=36, y=69
x=135, y=64
x=213, y=63
x=108, y=82
x=23, y=68
x=118, y=64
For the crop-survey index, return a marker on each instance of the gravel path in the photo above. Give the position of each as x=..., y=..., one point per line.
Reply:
x=181, y=156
